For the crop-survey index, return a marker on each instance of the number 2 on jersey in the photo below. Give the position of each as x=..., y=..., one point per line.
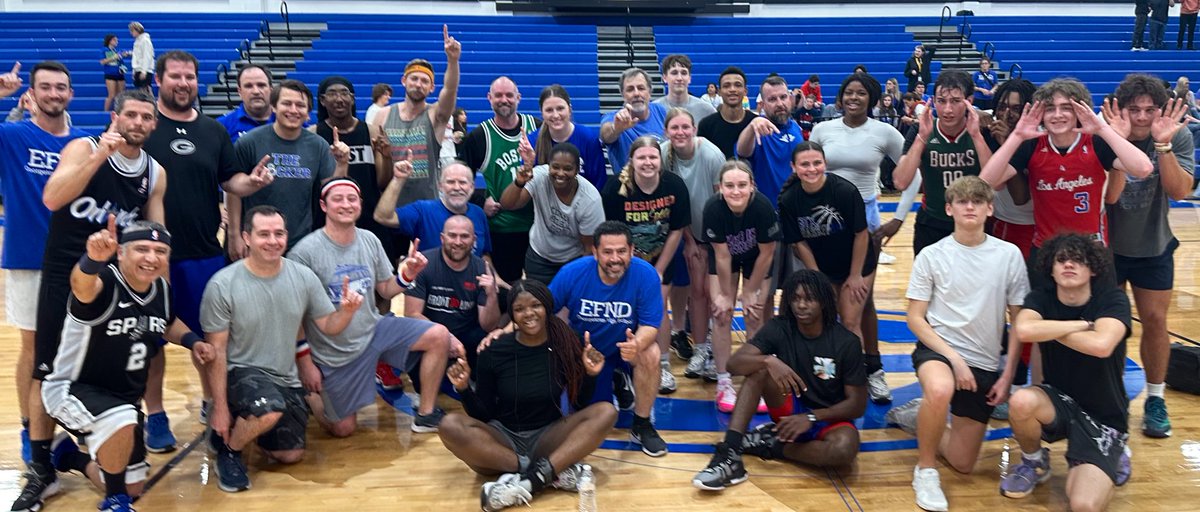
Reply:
x=137, y=357
x=1084, y=204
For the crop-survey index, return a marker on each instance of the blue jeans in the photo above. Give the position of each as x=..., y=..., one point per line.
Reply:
x=1156, y=34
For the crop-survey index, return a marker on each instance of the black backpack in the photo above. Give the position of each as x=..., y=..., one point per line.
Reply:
x=1183, y=372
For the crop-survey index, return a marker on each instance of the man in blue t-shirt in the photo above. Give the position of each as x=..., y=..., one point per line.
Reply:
x=614, y=302
x=254, y=87
x=618, y=129
x=29, y=152
x=424, y=219
x=985, y=84
x=768, y=140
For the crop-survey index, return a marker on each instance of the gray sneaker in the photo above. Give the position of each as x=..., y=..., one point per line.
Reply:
x=877, y=387
x=709, y=373
x=503, y=493
x=905, y=416
x=695, y=366
x=666, y=381
x=568, y=479
x=723, y=470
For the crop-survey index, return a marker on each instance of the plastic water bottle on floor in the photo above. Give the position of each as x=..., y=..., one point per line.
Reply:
x=587, y=490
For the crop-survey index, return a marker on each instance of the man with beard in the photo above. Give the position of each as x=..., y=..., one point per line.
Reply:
x=491, y=148
x=637, y=118
x=677, y=73
x=423, y=219
x=96, y=177
x=336, y=113
x=457, y=289
x=415, y=131
x=254, y=88
x=339, y=375
x=299, y=160
x=198, y=151
x=768, y=140
x=29, y=151
x=724, y=128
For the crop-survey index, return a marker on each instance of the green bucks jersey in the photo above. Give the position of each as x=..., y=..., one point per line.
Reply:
x=944, y=160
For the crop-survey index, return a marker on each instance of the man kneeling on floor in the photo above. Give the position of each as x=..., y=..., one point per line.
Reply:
x=809, y=370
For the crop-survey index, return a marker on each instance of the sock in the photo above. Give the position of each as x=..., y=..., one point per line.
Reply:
x=724, y=377
x=733, y=439
x=874, y=362
x=1155, y=389
x=1032, y=457
x=665, y=360
x=74, y=461
x=41, y=453
x=25, y=423
x=540, y=474
x=114, y=483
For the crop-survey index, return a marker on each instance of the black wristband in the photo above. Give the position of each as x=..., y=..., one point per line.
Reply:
x=190, y=339
x=90, y=266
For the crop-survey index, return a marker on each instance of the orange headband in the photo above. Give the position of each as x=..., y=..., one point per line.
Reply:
x=419, y=67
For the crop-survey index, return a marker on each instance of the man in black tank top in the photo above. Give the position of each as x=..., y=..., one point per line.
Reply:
x=118, y=314
x=335, y=111
x=96, y=177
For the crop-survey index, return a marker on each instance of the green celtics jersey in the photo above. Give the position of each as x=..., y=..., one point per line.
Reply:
x=944, y=160
x=500, y=164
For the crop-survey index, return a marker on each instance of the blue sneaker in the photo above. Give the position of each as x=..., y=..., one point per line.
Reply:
x=26, y=450
x=230, y=468
x=60, y=447
x=1155, y=422
x=159, y=438
x=1026, y=476
x=118, y=503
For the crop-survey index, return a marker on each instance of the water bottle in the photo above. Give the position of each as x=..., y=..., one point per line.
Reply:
x=587, y=490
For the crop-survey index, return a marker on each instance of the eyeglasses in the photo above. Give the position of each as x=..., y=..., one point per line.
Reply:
x=338, y=93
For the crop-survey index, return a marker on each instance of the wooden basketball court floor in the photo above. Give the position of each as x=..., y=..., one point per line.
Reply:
x=386, y=467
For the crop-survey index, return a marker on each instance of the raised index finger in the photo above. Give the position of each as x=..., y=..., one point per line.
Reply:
x=112, y=225
x=336, y=139
x=16, y=67
x=445, y=32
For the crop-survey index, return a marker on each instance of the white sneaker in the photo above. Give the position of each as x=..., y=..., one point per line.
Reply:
x=695, y=366
x=726, y=396
x=886, y=259
x=877, y=387
x=666, y=382
x=905, y=416
x=927, y=484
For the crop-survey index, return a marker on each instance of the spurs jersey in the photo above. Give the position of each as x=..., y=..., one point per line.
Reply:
x=1067, y=186
x=121, y=186
x=944, y=160
x=109, y=343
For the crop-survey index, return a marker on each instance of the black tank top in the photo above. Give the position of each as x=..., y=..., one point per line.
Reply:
x=120, y=187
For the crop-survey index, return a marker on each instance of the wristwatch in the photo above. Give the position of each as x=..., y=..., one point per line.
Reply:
x=812, y=418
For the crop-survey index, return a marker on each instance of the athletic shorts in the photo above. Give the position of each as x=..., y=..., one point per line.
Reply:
x=541, y=269
x=873, y=218
x=604, y=380
x=964, y=404
x=669, y=273
x=96, y=414
x=523, y=442
x=1020, y=235
x=53, y=292
x=1151, y=273
x=1088, y=441
x=116, y=78
x=819, y=430
x=20, y=298
x=743, y=266
x=253, y=393
x=348, y=388
x=680, y=276
x=145, y=81
x=925, y=235
x=188, y=279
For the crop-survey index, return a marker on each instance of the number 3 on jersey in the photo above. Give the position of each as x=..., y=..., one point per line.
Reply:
x=1084, y=204
x=137, y=357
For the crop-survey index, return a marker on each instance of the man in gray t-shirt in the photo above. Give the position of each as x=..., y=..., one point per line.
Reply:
x=251, y=312
x=677, y=74
x=340, y=375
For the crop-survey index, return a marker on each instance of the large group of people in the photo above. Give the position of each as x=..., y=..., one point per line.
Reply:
x=543, y=298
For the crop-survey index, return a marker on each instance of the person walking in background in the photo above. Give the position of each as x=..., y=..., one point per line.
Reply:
x=114, y=69
x=143, y=57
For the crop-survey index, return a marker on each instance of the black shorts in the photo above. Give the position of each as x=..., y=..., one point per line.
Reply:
x=1088, y=441
x=1150, y=273
x=144, y=81
x=966, y=404
x=253, y=393
x=541, y=269
x=523, y=443
x=743, y=265
x=508, y=254
x=53, y=293
x=925, y=235
x=115, y=78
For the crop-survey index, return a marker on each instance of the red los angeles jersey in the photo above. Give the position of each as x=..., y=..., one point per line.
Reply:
x=1067, y=189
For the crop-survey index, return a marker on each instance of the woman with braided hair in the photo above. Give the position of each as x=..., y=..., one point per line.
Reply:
x=514, y=426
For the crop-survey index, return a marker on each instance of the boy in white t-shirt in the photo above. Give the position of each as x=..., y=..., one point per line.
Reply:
x=958, y=293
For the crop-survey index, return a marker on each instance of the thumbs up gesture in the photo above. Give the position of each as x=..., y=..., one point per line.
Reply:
x=629, y=347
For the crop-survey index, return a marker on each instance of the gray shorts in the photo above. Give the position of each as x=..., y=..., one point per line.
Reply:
x=523, y=443
x=350, y=387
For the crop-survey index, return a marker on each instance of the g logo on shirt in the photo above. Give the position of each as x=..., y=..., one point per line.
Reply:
x=183, y=147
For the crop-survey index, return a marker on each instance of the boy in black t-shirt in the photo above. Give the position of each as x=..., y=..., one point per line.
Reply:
x=1082, y=399
x=809, y=370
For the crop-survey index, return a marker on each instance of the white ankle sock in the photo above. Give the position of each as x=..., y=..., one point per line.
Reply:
x=1155, y=389
x=1032, y=457
x=725, y=377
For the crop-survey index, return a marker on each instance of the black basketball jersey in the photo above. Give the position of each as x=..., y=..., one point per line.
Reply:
x=120, y=186
x=109, y=343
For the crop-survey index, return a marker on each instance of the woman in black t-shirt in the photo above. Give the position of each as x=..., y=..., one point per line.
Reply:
x=515, y=427
x=741, y=229
x=824, y=220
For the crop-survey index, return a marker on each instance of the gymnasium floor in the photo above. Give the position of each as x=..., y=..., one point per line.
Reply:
x=386, y=467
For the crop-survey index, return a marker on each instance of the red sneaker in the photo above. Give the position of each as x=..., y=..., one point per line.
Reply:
x=386, y=377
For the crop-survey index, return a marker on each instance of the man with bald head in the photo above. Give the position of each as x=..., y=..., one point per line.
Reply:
x=491, y=148
x=423, y=220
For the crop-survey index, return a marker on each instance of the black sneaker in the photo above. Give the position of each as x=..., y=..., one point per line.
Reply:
x=231, y=470
x=40, y=483
x=680, y=345
x=761, y=442
x=623, y=390
x=427, y=423
x=723, y=470
x=646, y=435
